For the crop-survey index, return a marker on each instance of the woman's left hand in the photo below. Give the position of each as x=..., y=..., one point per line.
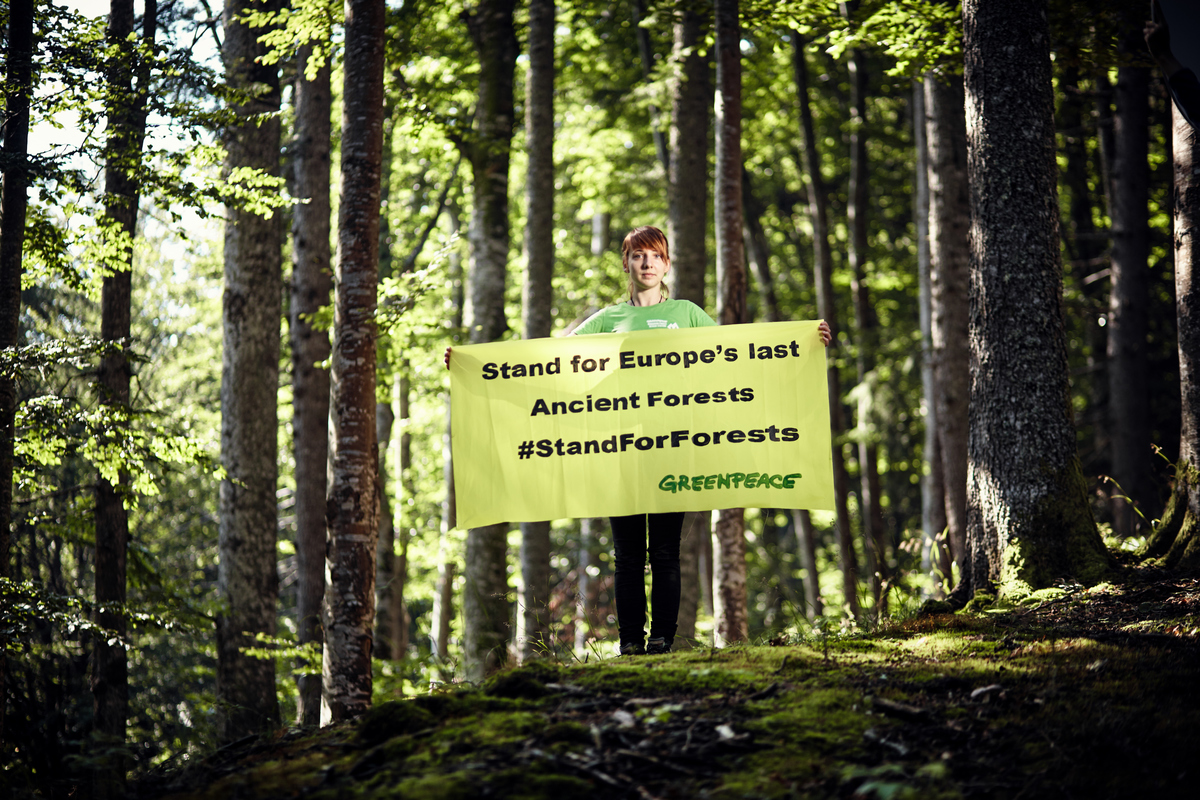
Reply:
x=825, y=333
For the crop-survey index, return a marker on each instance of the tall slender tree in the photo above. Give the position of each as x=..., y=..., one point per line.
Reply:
x=818, y=207
x=14, y=200
x=123, y=150
x=687, y=225
x=312, y=282
x=729, y=580
x=1029, y=522
x=252, y=308
x=950, y=279
x=353, y=498
x=485, y=601
x=866, y=327
x=1129, y=299
x=538, y=294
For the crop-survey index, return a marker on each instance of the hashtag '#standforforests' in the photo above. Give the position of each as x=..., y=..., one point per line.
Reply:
x=525, y=449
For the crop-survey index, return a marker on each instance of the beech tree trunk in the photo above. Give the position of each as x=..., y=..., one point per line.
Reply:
x=1176, y=542
x=485, y=600
x=806, y=542
x=867, y=325
x=14, y=200
x=252, y=306
x=353, y=499
x=647, y=55
x=123, y=155
x=1129, y=300
x=1086, y=248
x=1029, y=522
x=950, y=281
x=756, y=245
x=729, y=542
x=538, y=296
x=687, y=225
x=312, y=281
x=818, y=208
x=933, y=487
x=687, y=185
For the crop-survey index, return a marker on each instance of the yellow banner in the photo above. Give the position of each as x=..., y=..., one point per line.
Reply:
x=650, y=421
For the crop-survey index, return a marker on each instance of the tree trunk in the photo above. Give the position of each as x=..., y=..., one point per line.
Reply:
x=538, y=297
x=687, y=225
x=807, y=544
x=867, y=325
x=1029, y=522
x=397, y=603
x=485, y=601
x=123, y=155
x=933, y=487
x=443, y=597
x=818, y=208
x=1086, y=249
x=247, y=581
x=950, y=281
x=312, y=281
x=1128, y=316
x=1176, y=541
x=687, y=185
x=647, y=55
x=756, y=245
x=353, y=499
x=729, y=556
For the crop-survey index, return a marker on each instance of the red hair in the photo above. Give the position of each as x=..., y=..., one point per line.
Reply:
x=646, y=237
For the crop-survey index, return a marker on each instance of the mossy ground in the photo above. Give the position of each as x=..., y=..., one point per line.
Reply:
x=1088, y=693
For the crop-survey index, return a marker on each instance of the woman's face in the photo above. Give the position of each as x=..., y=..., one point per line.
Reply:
x=647, y=268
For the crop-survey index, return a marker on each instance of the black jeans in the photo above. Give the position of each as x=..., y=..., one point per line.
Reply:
x=629, y=545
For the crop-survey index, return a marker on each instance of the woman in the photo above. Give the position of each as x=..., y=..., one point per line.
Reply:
x=646, y=258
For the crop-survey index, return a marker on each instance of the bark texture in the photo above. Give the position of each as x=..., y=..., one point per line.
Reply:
x=312, y=282
x=1129, y=298
x=867, y=325
x=538, y=296
x=485, y=600
x=818, y=209
x=950, y=282
x=123, y=151
x=1029, y=522
x=729, y=557
x=687, y=185
x=352, y=511
x=1176, y=541
x=14, y=200
x=933, y=486
x=252, y=306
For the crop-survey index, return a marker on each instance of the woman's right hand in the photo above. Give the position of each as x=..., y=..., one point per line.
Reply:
x=447, y=358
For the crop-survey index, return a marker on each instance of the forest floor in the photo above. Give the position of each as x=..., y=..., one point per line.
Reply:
x=1080, y=693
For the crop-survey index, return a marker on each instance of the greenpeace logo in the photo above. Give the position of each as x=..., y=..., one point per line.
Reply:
x=728, y=480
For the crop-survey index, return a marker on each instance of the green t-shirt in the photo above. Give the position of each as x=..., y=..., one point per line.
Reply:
x=624, y=317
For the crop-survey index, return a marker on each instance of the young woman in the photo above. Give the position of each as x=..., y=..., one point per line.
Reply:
x=646, y=259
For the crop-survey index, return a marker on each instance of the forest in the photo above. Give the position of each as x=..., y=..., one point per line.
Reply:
x=236, y=241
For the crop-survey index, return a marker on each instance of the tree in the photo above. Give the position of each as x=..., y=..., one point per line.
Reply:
x=1128, y=314
x=485, y=601
x=950, y=278
x=353, y=495
x=252, y=308
x=14, y=201
x=1029, y=522
x=312, y=281
x=123, y=151
x=729, y=583
x=538, y=294
x=687, y=225
x=818, y=209
x=1175, y=543
x=866, y=325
